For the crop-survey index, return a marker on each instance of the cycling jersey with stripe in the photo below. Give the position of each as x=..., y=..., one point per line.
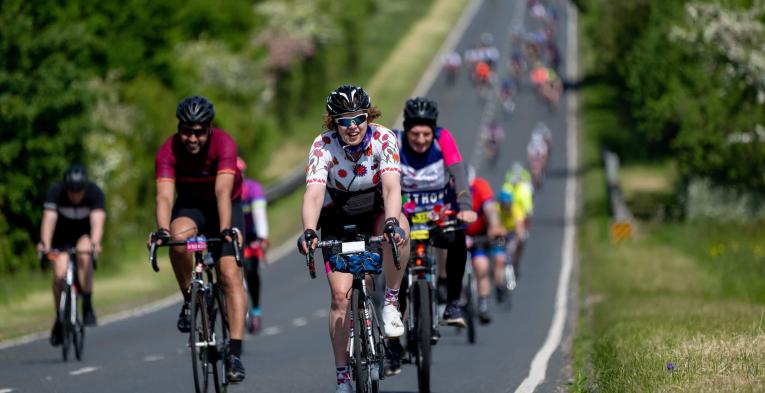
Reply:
x=194, y=174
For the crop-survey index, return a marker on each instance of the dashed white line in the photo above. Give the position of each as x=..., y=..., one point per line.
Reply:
x=299, y=322
x=83, y=370
x=321, y=313
x=272, y=330
x=6, y=390
x=153, y=358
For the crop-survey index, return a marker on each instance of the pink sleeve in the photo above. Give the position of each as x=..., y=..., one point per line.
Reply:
x=449, y=148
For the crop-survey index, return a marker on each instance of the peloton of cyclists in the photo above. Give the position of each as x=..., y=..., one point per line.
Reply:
x=73, y=216
x=357, y=163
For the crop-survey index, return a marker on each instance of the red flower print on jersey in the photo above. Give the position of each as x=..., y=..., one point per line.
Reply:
x=385, y=137
x=376, y=135
x=317, y=152
x=369, y=150
x=376, y=178
x=335, y=161
x=342, y=173
x=317, y=144
x=360, y=170
x=326, y=140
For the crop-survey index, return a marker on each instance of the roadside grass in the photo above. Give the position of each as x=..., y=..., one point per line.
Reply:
x=403, y=54
x=116, y=287
x=680, y=307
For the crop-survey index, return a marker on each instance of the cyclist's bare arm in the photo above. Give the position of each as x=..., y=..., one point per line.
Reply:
x=313, y=199
x=224, y=186
x=49, y=219
x=97, y=219
x=391, y=183
x=165, y=195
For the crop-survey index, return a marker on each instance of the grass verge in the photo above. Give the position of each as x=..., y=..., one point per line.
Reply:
x=403, y=57
x=678, y=308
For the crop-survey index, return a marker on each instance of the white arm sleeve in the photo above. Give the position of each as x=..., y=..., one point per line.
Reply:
x=260, y=218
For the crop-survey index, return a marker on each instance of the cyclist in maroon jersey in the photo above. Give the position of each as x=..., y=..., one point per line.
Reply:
x=199, y=163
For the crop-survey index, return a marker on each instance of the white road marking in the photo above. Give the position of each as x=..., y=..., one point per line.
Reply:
x=153, y=358
x=321, y=313
x=83, y=370
x=541, y=359
x=271, y=331
x=300, y=322
x=6, y=390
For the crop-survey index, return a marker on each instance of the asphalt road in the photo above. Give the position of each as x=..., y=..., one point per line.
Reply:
x=293, y=353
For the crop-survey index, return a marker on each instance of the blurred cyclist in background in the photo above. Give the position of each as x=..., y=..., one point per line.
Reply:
x=73, y=216
x=450, y=65
x=256, y=243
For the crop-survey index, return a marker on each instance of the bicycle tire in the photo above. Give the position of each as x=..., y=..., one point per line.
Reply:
x=470, y=309
x=359, y=359
x=65, y=311
x=423, y=329
x=78, y=330
x=220, y=333
x=199, y=336
x=376, y=373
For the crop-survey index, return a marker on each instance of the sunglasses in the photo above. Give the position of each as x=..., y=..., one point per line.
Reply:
x=187, y=131
x=346, y=121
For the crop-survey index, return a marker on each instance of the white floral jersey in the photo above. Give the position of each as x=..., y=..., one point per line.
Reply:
x=329, y=164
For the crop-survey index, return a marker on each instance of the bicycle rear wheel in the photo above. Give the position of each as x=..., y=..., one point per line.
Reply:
x=65, y=319
x=219, y=333
x=470, y=309
x=359, y=359
x=199, y=339
x=423, y=329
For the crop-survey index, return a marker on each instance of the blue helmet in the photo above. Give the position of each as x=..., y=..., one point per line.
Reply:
x=505, y=197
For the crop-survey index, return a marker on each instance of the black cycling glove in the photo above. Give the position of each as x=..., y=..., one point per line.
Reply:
x=308, y=236
x=392, y=227
x=162, y=234
x=230, y=232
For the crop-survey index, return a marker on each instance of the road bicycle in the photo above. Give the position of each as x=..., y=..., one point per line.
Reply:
x=209, y=335
x=70, y=312
x=360, y=256
x=422, y=317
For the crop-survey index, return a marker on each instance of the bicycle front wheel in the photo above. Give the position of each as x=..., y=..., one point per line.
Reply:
x=423, y=329
x=65, y=319
x=360, y=350
x=199, y=339
x=219, y=334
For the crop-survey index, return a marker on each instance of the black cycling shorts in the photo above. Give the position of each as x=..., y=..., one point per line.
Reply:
x=332, y=224
x=208, y=224
x=66, y=236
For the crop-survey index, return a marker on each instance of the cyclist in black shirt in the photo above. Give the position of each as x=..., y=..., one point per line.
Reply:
x=73, y=216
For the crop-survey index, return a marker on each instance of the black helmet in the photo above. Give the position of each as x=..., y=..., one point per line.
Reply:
x=420, y=110
x=347, y=98
x=75, y=178
x=195, y=109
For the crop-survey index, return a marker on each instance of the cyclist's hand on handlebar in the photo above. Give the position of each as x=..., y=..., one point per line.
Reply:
x=160, y=236
x=496, y=231
x=467, y=216
x=230, y=233
x=308, y=236
x=393, y=231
